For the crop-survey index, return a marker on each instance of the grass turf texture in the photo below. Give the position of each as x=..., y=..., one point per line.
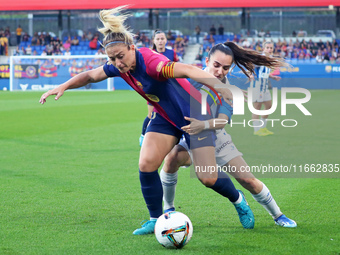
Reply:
x=69, y=180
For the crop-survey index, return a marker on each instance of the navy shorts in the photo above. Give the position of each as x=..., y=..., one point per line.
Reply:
x=160, y=125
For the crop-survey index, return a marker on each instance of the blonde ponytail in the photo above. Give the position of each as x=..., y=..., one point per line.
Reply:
x=114, y=28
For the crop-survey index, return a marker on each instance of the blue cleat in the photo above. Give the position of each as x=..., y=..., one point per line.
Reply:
x=245, y=214
x=147, y=228
x=141, y=139
x=285, y=222
x=171, y=209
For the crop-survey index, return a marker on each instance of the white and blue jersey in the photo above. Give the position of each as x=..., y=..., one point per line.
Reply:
x=260, y=85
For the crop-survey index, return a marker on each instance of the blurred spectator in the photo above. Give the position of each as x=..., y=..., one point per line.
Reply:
x=35, y=39
x=67, y=52
x=3, y=44
x=67, y=44
x=245, y=43
x=18, y=33
x=169, y=36
x=261, y=33
x=198, y=33
x=221, y=30
x=7, y=34
x=89, y=36
x=319, y=57
x=294, y=33
x=235, y=39
x=48, y=38
x=212, y=30
x=206, y=53
x=94, y=43
x=99, y=52
x=28, y=50
x=25, y=37
x=301, y=33
x=267, y=34
x=75, y=41
x=321, y=44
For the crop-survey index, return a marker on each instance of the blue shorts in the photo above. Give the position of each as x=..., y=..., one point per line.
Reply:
x=160, y=125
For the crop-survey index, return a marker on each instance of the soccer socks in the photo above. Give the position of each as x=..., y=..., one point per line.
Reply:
x=169, y=182
x=225, y=187
x=264, y=122
x=152, y=192
x=257, y=124
x=145, y=124
x=267, y=201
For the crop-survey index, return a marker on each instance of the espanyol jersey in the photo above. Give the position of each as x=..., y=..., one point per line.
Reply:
x=172, y=98
x=213, y=101
x=261, y=80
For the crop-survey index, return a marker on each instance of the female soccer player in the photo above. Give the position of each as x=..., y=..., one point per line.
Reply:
x=159, y=45
x=261, y=93
x=154, y=77
x=218, y=64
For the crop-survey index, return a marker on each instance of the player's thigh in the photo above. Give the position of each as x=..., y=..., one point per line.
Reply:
x=267, y=104
x=257, y=105
x=177, y=157
x=205, y=164
x=154, y=149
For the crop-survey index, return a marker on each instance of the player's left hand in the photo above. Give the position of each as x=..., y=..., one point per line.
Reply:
x=195, y=126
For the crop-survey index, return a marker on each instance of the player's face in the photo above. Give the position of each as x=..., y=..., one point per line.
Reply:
x=122, y=57
x=268, y=49
x=160, y=41
x=219, y=64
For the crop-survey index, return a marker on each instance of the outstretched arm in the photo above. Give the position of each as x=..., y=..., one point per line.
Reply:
x=192, y=72
x=77, y=81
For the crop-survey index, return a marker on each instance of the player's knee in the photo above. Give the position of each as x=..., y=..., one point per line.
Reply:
x=147, y=164
x=248, y=183
x=171, y=162
x=208, y=182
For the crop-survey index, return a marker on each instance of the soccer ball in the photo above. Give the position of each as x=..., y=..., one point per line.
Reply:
x=173, y=230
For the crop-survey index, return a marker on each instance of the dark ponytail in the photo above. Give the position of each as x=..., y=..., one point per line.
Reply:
x=247, y=59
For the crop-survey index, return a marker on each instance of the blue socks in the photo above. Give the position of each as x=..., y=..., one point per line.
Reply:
x=225, y=187
x=152, y=192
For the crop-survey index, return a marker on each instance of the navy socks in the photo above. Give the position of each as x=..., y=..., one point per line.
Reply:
x=225, y=187
x=152, y=192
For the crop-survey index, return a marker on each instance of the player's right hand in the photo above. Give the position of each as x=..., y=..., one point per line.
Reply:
x=59, y=91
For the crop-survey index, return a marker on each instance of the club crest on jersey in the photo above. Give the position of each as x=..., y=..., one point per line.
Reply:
x=139, y=85
x=153, y=98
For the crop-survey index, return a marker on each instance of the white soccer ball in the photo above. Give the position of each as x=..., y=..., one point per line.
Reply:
x=173, y=230
x=4, y=89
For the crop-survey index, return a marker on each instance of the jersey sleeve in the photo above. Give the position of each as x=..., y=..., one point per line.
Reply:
x=159, y=67
x=110, y=70
x=226, y=109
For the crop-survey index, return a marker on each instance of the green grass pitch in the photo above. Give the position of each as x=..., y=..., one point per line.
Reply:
x=69, y=180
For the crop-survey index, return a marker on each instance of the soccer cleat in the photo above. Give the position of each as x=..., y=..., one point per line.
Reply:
x=147, y=228
x=265, y=130
x=261, y=132
x=171, y=209
x=285, y=222
x=141, y=139
x=245, y=214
